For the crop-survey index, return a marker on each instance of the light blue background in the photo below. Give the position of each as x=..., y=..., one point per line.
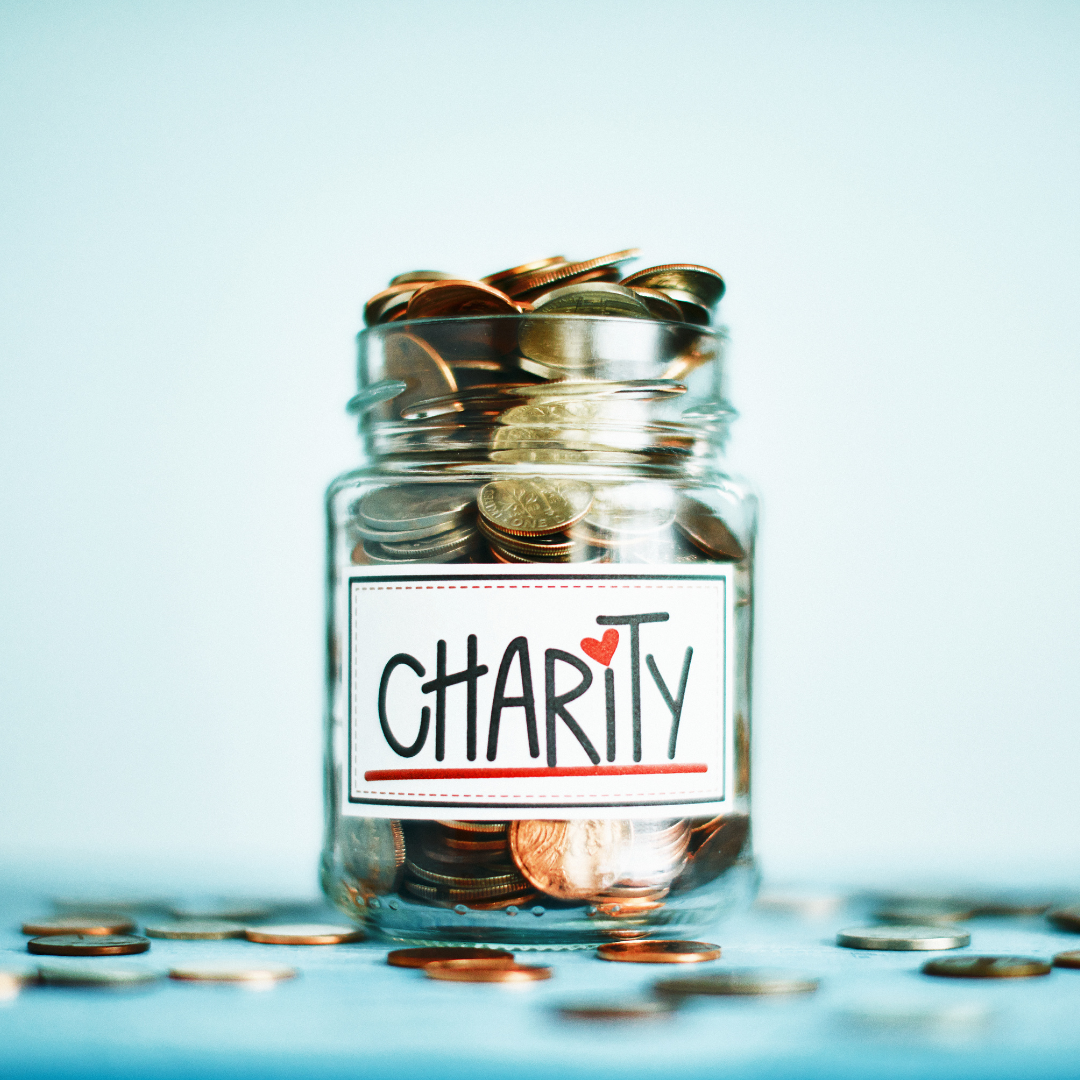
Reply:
x=195, y=199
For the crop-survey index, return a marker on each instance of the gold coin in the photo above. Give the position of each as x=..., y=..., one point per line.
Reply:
x=476, y=826
x=596, y=298
x=237, y=973
x=457, y=298
x=570, y=860
x=534, y=506
x=87, y=944
x=418, y=958
x=1070, y=959
x=303, y=934
x=616, y=1010
x=706, y=531
x=1066, y=919
x=658, y=952
x=414, y=362
x=196, y=930
x=986, y=967
x=485, y=971
x=78, y=924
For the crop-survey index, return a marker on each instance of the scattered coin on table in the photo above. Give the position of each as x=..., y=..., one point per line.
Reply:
x=485, y=971
x=78, y=924
x=986, y=967
x=303, y=934
x=1070, y=959
x=903, y=938
x=744, y=982
x=614, y=1010
x=233, y=973
x=924, y=913
x=1067, y=918
x=658, y=952
x=97, y=973
x=88, y=944
x=195, y=930
x=799, y=904
x=241, y=911
x=111, y=906
x=420, y=957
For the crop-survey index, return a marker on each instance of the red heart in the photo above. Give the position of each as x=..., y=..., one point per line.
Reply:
x=604, y=649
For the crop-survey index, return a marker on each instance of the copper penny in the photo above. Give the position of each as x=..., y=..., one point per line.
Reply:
x=507, y=280
x=421, y=277
x=616, y=1010
x=986, y=967
x=570, y=860
x=442, y=299
x=701, y=284
x=79, y=924
x=303, y=934
x=485, y=971
x=88, y=944
x=374, y=308
x=659, y=952
x=1070, y=959
x=418, y=958
x=1066, y=919
x=543, y=280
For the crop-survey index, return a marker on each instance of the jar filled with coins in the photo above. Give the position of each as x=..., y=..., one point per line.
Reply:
x=540, y=613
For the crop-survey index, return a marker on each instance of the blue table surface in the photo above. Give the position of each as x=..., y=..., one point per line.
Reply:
x=351, y=1014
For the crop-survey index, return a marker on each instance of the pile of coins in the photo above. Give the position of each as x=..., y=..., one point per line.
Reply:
x=536, y=519
x=678, y=292
x=619, y=868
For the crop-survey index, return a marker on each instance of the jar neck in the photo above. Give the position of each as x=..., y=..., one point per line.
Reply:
x=611, y=393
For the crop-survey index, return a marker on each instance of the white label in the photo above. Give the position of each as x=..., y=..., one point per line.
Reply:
x=499, y=692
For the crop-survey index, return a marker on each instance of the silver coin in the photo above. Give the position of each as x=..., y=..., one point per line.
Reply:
x=396, y=536
x=924, y=913
x=109, y=905
x=372, y=853
x=195, y=930
x=738, y=983
x=236, y=910
x=414, y=506
x=903, y=938
x=593, y=298
x=380, y=556
x=97, y=973
x=420, y=549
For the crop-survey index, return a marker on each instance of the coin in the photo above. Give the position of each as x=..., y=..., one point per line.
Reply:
x=737, y=983
x=1067, y=918
x=704, y=529
x=714, y=848
x=660, y=305
x=303, y=934
x=233, y=973
x=544, y=279
x=96, y=973
x=87, y=944
x=986, y=967
x=570, y=860
x=372, y=853
x=78, y=924
x=196, y=930
x=916, y=1015
x=806, y=905
x=697, y=284
x=928, y=913
x=375, y=308
x=538, y=546
x=508, y=280
x=418, y=958
x=1070, y=959
x=418, y=550
x=485, y=971
x=411, y=360
x=13, y=978
x=111, y=906
x=597, y=298
x=476, y=826
x=420, y=277
x=903, y=938
x=606, y=1010
x=442, y=299
x=658, y=952
x=534, y=506
x=235, y=910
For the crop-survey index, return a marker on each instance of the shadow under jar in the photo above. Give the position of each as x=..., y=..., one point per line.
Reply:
x=540, y=619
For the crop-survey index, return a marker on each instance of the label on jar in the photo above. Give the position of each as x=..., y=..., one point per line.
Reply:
x=498, y=692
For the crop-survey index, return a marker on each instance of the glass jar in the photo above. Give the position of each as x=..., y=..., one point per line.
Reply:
x=539, y=620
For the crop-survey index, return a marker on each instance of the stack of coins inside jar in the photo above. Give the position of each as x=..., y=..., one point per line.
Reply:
x=560, y=412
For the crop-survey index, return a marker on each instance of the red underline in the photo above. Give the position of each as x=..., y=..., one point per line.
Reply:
x=506, y=774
